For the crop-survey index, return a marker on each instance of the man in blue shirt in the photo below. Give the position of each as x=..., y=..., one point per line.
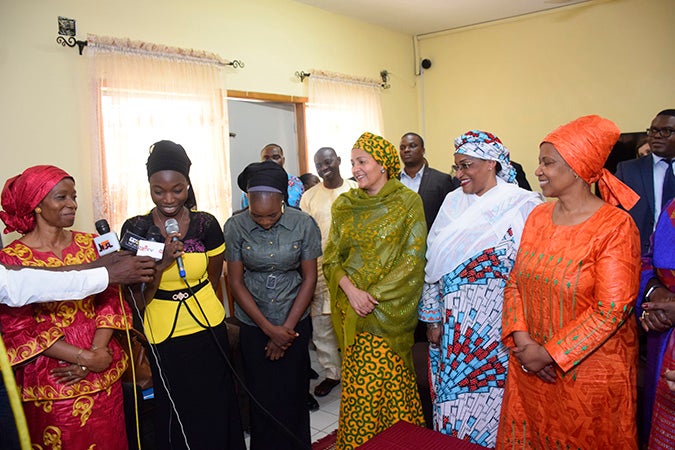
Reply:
x=274, y=153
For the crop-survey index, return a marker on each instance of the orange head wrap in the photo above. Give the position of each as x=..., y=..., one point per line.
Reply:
x=24, y=192
x=585, y=144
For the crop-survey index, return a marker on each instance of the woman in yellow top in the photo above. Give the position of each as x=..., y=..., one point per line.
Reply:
x=195, y=405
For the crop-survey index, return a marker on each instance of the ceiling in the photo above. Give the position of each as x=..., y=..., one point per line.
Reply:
x=417, y=17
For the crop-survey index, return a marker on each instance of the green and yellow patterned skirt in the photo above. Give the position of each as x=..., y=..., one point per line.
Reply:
x=378, y=390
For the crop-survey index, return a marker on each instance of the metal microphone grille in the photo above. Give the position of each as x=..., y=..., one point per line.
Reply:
x=171, y=226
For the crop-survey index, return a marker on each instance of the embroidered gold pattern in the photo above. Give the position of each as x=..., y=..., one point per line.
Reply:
x=61, y=315
x=51, y=438
x=45, y=405
x=82, y=407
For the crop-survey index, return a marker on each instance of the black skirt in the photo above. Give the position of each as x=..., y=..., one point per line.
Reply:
x=281, y=387
x=199, y=381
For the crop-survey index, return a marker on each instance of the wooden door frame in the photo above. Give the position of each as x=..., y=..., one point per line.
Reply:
x=299, y=104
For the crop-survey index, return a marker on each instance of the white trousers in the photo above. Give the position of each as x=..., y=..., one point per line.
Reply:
x=326, y=344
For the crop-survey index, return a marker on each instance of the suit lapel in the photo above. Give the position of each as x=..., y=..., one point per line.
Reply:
x=424, y=181
x=647, y=176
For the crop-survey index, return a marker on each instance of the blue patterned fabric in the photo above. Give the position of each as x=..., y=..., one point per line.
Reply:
x=295, y=191
x=484, y=145
x=468, y=369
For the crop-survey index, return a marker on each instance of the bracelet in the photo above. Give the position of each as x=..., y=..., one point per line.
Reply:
x=77, y=360
x=650, y=290
x=433, y=325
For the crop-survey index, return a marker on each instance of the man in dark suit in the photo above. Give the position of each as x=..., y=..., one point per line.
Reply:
x=432, y=185
x=646, y=175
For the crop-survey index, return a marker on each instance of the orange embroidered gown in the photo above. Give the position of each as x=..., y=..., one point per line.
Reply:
x=573, y=288
x=88, y=414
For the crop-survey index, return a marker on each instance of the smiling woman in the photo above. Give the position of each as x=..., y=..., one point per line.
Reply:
x=374, y=266
x=471, y=249
x=63, y=353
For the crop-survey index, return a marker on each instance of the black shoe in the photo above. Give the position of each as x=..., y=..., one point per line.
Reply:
x=313, y=375
x=312, y=404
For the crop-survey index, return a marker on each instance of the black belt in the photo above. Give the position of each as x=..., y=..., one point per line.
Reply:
x=180, y=294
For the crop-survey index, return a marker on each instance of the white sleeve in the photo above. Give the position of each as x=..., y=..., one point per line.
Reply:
x=19, y=287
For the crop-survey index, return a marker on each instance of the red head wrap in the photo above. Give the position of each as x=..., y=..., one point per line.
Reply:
x=585, y=144
x=24, y=192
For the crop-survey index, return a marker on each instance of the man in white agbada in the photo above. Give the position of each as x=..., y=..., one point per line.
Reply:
x=317, y=202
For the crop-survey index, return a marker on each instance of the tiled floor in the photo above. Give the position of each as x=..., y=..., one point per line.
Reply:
x=325, y=420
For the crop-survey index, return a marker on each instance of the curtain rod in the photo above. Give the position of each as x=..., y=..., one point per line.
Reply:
x=384, y=75
x=67, y=38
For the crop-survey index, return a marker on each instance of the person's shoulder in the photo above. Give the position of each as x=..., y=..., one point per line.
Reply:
x=141, y=218
x=543, y=211
x=631, y=164
x=613, y=214
x=238, y=217
x=435, y=172
x=205, y=218
x=293, y=217
x=310, y=193
x=203, y=215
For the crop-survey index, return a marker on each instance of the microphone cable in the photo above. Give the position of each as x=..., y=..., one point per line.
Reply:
x=133, y=368
x=157, y=359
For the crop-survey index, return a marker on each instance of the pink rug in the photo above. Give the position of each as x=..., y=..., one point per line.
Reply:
x=326, y=442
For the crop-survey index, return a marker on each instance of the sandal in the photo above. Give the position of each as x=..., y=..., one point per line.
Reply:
x=322, y=389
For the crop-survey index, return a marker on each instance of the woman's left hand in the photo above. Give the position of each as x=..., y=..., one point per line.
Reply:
x=658, y=315
x=534, y=358
x=69, y=374
x=362, y=302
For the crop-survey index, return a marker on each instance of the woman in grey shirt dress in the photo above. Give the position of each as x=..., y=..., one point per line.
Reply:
x=271, y=254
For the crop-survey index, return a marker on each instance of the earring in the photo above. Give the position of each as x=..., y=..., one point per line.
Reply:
x=382, y=171
x=38, y=210
x=283, y=207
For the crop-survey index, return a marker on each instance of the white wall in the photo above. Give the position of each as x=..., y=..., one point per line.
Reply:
x=44, y=90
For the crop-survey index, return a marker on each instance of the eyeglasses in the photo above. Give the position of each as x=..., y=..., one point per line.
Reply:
x=464, y=165
x=663, y=132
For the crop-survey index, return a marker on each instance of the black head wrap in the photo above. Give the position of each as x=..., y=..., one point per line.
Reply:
x=167, y=155
x=264, y=176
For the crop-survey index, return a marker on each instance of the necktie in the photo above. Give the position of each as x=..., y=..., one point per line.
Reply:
x=668, y=183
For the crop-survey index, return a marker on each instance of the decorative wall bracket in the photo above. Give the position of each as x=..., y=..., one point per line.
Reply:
x=67, y=34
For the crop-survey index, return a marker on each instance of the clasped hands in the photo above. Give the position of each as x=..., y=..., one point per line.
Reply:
x=95, y=360
x=658, y=314
x=281, y=338
x=533, y=358
x=362, y=302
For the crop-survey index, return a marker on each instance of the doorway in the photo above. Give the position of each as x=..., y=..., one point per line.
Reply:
x=260, y=119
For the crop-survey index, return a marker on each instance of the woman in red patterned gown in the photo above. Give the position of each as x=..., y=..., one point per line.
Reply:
x=67, y=364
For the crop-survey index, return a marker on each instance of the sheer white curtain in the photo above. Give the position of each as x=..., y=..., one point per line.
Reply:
x=339, y=109
x=143, y=93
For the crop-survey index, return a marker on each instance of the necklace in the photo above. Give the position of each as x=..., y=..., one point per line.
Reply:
x=159, y=216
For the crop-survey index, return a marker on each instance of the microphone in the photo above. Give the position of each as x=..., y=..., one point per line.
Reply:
x=132, y=237
x=171, y=226
x=154, y=234
x=152, y=245
x=107, y=242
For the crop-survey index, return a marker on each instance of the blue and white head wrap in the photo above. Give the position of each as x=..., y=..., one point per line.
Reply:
x=484, y=145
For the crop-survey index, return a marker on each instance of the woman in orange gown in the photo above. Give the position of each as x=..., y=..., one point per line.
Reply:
x=568, y=306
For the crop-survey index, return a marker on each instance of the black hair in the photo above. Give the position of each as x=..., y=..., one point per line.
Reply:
x=410, y=133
